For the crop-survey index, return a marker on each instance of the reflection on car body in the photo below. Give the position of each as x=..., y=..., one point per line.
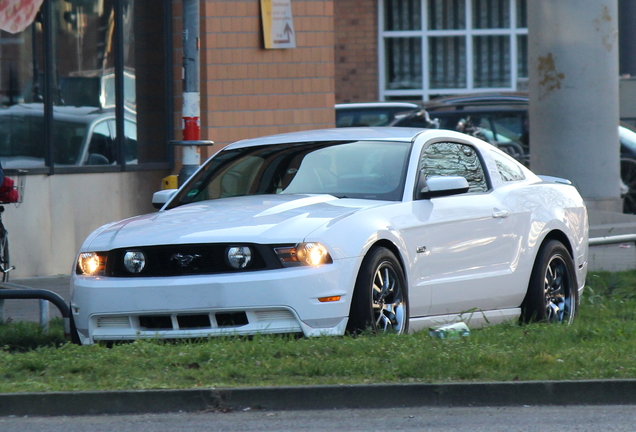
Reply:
x=338, y=230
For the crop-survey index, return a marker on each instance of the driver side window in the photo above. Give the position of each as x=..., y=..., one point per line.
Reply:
x=454, y=159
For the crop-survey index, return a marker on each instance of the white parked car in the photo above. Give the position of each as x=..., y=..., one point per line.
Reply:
x=339, y=230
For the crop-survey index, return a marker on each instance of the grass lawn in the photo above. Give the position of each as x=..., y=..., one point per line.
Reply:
x=599, y=345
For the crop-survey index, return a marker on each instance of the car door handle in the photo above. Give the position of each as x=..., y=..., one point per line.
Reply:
x=500, y=214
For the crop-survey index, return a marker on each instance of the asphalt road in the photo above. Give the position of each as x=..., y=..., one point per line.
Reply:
x=484, y=419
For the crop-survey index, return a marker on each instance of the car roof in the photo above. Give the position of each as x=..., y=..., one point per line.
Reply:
x=335, y=134
x=459, y=102
x=62, y=113
x=380, y=104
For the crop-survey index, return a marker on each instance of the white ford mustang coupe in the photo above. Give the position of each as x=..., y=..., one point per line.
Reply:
x=332, y=231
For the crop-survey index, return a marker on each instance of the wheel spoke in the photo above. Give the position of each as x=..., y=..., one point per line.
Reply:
x=387, y=308
x=556, y=303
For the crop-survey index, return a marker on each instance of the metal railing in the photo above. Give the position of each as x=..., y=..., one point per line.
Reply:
x=17, y=292
x=608, y=240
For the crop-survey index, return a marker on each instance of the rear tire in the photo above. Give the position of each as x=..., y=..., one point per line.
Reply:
x=380, y=300
x=552, y=292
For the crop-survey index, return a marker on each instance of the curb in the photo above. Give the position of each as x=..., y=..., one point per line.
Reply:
x=588, y=392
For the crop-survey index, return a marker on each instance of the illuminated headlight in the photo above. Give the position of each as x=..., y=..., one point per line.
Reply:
x=91, y=263
x=311, y=254
x=239, y=257
x=134, y=261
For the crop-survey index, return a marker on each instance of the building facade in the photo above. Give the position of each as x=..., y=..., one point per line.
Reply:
x=422, y=49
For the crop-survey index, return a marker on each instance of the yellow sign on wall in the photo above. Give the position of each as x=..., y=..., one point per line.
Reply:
x=278, y=24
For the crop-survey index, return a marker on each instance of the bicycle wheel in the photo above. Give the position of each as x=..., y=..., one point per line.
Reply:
x=4, y=253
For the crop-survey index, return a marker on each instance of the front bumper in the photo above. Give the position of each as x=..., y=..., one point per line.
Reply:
x=269, y=301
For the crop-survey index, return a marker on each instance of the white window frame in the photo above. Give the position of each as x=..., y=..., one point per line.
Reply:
x=425, y=93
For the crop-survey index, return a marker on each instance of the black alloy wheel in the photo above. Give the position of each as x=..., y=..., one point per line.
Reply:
x=380, y=301
x=552, y=292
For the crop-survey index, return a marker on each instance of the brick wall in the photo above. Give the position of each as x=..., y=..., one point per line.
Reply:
x=248, y=91
x=356, y=52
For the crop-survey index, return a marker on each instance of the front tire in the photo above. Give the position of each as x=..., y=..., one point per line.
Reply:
x=552, y=292
x=75, y=339
x=380, y=300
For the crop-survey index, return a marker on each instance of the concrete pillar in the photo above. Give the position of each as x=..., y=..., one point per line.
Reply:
x=573, y=84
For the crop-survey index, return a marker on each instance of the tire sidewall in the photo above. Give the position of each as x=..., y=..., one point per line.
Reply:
x=361, y=311
x=533, y=307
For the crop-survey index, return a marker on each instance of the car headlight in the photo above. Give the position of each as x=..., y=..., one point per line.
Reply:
x=134, y=261
x=311, y=254
x=91, y=263
x=239, y=257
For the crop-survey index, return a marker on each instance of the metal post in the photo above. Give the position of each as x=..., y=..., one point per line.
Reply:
x=191, y=101
x=44, y=315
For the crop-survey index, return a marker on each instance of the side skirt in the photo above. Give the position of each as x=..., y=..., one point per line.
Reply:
x=474, y=319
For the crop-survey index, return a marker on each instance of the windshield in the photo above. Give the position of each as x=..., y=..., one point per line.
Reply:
x=357, y=169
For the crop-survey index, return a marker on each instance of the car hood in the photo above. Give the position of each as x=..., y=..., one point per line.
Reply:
x=249, y=219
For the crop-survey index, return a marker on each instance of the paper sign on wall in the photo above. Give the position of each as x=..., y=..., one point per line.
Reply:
x=278, y=24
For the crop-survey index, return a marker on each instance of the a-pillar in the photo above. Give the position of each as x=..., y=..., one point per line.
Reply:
x=573, y=84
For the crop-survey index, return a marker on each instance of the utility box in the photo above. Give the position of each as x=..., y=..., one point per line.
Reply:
x=170, y=182
x=627, y=100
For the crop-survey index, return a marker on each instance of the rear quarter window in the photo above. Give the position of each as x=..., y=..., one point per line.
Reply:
x=509, y=170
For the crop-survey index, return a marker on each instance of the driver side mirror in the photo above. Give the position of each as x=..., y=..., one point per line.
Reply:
x=439, y=186
x=161, y=197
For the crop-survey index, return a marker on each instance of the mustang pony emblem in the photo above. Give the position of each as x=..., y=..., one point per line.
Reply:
x=184, y=260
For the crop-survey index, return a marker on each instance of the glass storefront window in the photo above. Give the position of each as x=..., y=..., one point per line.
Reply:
x=467, y=46
x=491, y=14
x=447, y=62
x=404, y=63
x=446, y=14
x=522, y=13
x=491, y=61
x=400, y=15
x=96, y=50
x=522, y=56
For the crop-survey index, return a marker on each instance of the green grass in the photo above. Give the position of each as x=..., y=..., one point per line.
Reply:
x=599, y=345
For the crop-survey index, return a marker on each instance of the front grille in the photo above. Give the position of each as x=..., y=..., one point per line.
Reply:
x=116, y=321
x=189, y=259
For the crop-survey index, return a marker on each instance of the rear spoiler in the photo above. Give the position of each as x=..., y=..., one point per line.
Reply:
x=552, y=179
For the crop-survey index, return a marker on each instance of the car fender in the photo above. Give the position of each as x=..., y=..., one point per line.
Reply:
x=354, y=235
